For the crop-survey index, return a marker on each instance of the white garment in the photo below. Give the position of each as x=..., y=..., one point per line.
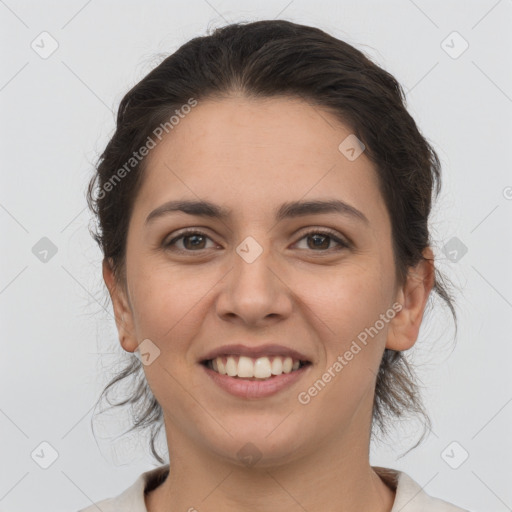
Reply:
x=410, y=497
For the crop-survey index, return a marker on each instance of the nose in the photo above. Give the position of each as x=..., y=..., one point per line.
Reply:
x=255, y=291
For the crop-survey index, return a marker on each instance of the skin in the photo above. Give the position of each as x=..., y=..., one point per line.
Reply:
x=252, y=155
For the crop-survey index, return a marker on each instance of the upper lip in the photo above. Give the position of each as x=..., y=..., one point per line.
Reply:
x=256, y=351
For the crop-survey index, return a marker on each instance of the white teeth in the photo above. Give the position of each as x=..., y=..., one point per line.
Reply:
x=260, y=368
x=277, y=366
x=221, y=368
x=231, y=367
x=245, y=367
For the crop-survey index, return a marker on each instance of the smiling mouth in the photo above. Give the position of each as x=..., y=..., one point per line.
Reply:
x=248, y=368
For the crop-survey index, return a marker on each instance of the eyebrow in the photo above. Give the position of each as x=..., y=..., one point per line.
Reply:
x=287, y=210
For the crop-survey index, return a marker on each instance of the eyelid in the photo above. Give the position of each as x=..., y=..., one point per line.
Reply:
x=183, y=233
x=342, y=241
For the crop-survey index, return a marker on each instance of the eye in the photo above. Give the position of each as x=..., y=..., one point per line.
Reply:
x=321, y=240
x=192, y=239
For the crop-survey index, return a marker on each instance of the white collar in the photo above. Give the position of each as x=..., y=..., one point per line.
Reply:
x=410, y=496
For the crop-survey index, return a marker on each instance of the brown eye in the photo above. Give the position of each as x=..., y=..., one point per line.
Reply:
x=320, y=241
x=195, y=241
x=192, y=241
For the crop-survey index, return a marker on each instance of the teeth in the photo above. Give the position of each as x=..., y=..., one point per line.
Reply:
x=260, y=368
x=245, y=367
x=277, y=366
x=231, y=367
x=221, y=368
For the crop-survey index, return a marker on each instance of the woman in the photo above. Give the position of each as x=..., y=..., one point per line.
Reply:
x=263, y=213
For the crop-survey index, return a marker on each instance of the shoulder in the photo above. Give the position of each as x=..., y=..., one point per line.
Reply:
x=132, y=498
x=410, y=496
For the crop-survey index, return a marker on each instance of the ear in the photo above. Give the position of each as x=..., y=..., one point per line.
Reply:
x=122, y=309
x=413, y=295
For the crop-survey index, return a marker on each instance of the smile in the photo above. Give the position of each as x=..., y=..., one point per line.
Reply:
x=260, y=377
x=256, y=368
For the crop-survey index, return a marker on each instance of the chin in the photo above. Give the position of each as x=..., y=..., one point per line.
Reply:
x=256, y=449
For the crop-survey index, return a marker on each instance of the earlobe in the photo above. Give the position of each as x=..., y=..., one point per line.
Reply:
x=413, y=295
x=122, y=310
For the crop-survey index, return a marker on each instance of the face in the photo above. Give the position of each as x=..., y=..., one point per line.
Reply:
x=314, y=282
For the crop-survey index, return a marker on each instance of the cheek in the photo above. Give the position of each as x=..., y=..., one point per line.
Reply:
x=353, y=343
x=167, y=300
x=166, y=304
x=355, y=311
x=340, y=301
x=346, y=300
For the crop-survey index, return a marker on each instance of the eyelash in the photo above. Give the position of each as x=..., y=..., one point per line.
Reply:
x=325, y=232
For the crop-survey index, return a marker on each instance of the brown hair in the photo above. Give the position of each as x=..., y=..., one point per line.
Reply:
x=264, y=59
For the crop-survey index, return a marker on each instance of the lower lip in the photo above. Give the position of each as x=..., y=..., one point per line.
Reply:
x=255, y=388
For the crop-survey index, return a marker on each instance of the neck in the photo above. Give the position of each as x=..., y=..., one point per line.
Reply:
x=317, y=481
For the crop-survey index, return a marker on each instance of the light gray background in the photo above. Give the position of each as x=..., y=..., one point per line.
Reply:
x=57, y=114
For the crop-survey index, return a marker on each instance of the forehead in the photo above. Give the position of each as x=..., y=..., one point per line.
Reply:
x=250, y=153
